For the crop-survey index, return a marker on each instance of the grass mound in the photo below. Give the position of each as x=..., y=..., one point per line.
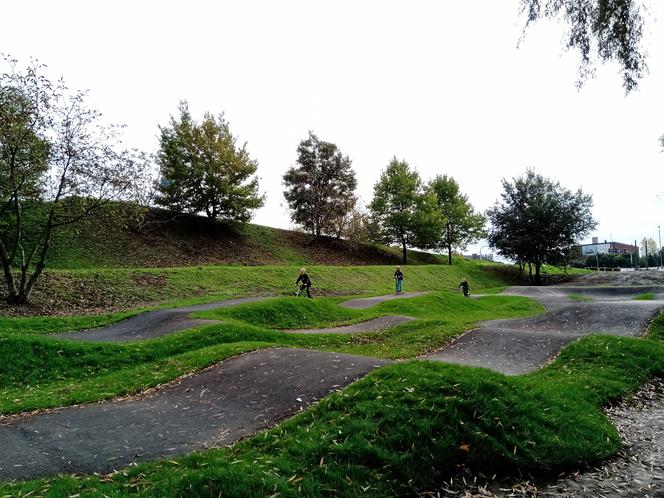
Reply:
x=289, y=313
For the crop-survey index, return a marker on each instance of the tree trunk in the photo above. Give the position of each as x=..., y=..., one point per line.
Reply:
x=403, y=245
x=538, y=280
x=9, y=275
x=449, y=246
x=24, y=295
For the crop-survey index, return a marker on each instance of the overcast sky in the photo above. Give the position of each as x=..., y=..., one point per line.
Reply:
x=441, y=84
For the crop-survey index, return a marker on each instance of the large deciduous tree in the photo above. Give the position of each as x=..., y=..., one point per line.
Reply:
x=608, y=30
x=58, y=160
x=320, y=189
x=462, y=225
x=538, y=221
x=406, y=213
x=203, y=169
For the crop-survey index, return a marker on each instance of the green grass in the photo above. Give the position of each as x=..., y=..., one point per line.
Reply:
x=405, y=428
x=646, y=296
x=41, y=372
x=121, y=288
x=580, y=298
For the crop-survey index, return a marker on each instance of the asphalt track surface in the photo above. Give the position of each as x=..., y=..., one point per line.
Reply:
x=212, y=408
x=519, y=346
x=152, y=324
x=245, y=394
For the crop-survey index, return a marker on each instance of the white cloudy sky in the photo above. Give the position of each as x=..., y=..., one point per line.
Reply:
x=438, y=83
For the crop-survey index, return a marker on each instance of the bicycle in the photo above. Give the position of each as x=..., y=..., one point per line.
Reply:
x=302, y=292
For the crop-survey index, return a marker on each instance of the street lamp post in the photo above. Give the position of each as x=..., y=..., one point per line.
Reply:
x=483, y=247
x=659, y=231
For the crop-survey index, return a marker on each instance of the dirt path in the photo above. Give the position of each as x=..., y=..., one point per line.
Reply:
x=522, y=345
x=214, y=407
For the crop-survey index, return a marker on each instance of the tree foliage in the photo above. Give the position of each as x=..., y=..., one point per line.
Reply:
x=406, y=213
x=203, y=169
x=538, y=221
x=54, y=152
x=462, y=225
x=608, y=30
x=320, y=189
x=648, y=246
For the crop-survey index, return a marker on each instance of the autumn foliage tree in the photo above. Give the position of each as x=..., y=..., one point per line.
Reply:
x=204, y=169
x=320, y=188
x=58, y=160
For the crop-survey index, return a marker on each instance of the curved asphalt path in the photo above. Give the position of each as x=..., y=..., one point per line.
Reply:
x=210, y=408
x=153, y=324
x=519, y=346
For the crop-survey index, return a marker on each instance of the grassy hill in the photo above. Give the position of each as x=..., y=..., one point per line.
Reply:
x=101, y=290
x=188, y=240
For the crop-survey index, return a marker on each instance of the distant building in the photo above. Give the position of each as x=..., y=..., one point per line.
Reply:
x=483, y=257
x=608, y=248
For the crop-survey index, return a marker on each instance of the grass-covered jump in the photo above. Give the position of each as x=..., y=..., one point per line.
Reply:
x=402, y=429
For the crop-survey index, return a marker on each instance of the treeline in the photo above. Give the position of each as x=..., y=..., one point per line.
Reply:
x=56, y=152
x=203, y=169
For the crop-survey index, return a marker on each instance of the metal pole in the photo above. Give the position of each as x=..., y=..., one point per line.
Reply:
x=659, y=231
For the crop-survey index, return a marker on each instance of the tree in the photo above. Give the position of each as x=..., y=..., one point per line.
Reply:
x=204, y=170
x=610, y=30
x=648, y=245
x=463, y=225
x=406, y=214
x=360, y=228
x=538, y=221
x=58, y=160
x=320, y=188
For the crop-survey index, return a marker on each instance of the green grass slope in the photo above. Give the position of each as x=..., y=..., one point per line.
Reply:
x=110, y=239
x=97, y=291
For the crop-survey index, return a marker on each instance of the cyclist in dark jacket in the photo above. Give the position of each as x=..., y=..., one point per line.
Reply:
x=305, y=282
x=464, y=287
